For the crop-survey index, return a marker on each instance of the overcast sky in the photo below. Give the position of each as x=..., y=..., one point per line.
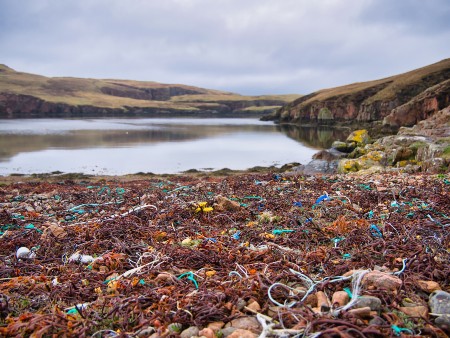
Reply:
x=244, y=46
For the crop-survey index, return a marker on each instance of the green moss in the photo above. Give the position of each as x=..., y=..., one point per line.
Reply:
x=417, y=145
x=325, y=114
x=446, y=152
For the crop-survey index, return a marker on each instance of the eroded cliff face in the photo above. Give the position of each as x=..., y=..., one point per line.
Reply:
x=400, y=100
x=27, y=106
x=157, y=94
x=420, y=107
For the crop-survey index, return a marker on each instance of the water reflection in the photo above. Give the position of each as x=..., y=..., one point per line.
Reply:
x=158, y=145
x=320, y=137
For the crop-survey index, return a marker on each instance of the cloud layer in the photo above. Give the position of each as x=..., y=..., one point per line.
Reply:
x=250, y=47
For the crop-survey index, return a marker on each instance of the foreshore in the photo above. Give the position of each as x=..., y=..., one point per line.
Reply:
x=260, y=253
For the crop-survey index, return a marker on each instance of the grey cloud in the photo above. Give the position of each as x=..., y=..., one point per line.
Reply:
x=251, y=47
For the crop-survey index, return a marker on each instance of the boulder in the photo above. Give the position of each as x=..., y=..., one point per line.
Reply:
x=439, y=302
x=359, y=137
x=372, y=158
x=343, y=146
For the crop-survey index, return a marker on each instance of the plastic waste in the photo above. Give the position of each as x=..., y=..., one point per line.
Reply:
x=78, y=258
x=25, y=253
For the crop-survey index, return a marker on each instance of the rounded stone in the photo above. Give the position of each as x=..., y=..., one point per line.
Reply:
x=190, y=332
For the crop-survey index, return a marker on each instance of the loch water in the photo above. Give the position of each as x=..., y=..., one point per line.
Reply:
x=156, y=145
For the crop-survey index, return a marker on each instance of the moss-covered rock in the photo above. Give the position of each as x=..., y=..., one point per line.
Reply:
x=403, y=154
x=343, y=146
x=360, y=137
x=372, y=158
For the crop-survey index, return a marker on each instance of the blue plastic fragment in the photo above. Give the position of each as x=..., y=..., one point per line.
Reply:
x=350, y=294
x=236, y=235
x=375, y=232
x=346, y=256
x=211, y=240
x=297, y=204
x=321, y=198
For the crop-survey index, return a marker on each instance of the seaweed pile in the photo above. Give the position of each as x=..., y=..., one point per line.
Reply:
x=250, y=255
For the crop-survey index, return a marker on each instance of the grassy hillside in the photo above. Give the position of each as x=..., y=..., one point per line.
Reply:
x=112, y=93
x=366, y=101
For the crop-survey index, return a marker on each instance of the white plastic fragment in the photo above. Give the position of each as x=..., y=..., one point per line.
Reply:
x=25, y=253
x=78, y=258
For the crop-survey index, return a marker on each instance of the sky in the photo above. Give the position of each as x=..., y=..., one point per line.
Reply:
x=251, y=47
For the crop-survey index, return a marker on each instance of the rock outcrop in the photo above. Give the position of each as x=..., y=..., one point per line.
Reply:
x=400, y=100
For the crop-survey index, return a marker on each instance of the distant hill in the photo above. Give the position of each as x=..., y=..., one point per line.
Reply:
x=30, y=95
x=400, y=100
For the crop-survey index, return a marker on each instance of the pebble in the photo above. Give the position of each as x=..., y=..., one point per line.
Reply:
x=227, y=331
x=239, y=333
x=190, y=332
x=207, y=332
x=340, y=297
x=55, y=230
x=377, y=321
x=415, y=311
x=443, y=322
x=215, y=326
x=240, y=304
x=373, y=303
x=428, y=286
x=323, y=303
x=145, y=332
x=381, y=280
x=254, y=306
x=246, y=323
x=440, y=302
x=363, y=312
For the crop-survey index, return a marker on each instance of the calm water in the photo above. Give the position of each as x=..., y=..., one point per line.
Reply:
x=123, y=146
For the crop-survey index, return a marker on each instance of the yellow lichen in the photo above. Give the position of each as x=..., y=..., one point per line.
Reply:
x=359, y=136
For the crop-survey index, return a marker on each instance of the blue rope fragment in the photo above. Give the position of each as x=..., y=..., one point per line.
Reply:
x=349, y=292
x=281, y=231
x=398, y=330
x=190, y=276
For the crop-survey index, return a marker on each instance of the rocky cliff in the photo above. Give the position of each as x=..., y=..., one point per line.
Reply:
x=28, y=95
x=400, y=100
